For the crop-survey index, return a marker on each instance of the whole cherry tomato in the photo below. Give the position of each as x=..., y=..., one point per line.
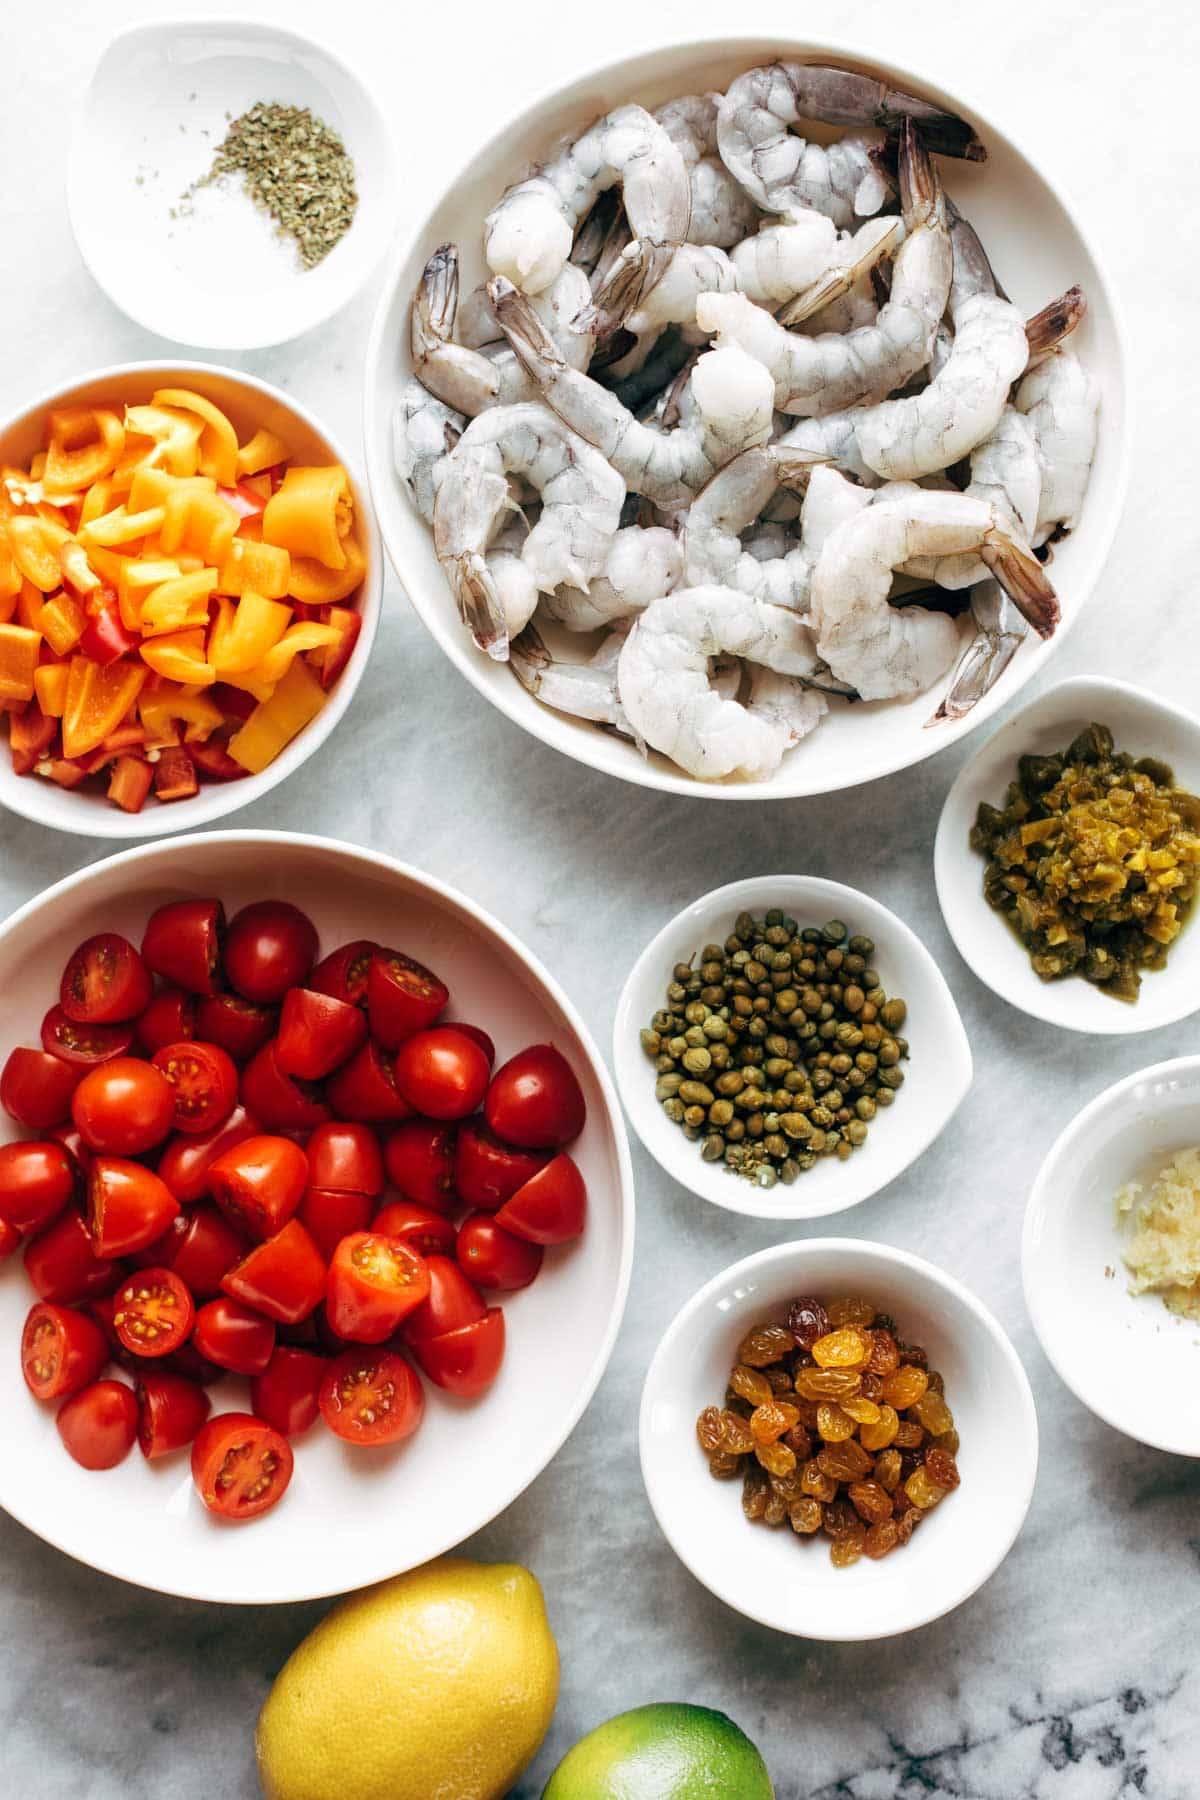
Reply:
x=105, y=982
x=61, y=1351
x=171, y=1410
x=62, y=1264
x=403, y=997
x=238, y=1026
x=374, y=1283
x=365, y=1088
x=153, y=1312
x=442, y=1073
x=170, y=1018
x=345, y=1158
x=427, y=1232
x=281, y=1101
x=328, y=1216
x=317, y=1033
x=240, y=1465
x=419, y=1156
x=535, y=1100
x=98, y=1425
x=283, y=1278
x=477, y=1035
x=270, y=947
x=258, y=1183
x=182, y=943
x=204, y=1081
x=285, y=1394
x=83, y=1045
x=36, y=1182
x=185, y=1162
x=128, y=1205
x=487, y=1172
x=343, y=973
x=551, y=1208
x=204, y=1251
x=493, y=1257
x=232, y=1336
x=371, y=1397
x=465, y=1361
x=123, y=1107
x=452, y=1301
x=36, y=1088
x=73, y=1144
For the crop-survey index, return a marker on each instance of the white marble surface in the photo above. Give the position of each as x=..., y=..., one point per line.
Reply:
x=1073, y=1674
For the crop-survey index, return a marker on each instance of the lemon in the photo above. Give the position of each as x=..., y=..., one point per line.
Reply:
x=665, y=1752
x=439, y=1685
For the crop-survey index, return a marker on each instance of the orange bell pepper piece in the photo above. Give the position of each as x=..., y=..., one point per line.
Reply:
x=121, y=527
x=198, y=522
x=180, y=657
x=50, y=688
x=61, y=621
x=175, y=437
x=294, y=642
x=262, y=451
x=315, y=585
x=85, y=444
x=30, y=734
x=138, y=577
x=311, y=513
x=275, y=722
x=97, y=700
x=161, y=709
x=218, y=440
x=178, y=604
x=264, y=567
x=34, y=545
x=18, y=662
x=244, y=634
x=130, y=783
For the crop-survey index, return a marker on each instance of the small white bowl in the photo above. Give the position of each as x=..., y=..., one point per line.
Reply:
x=350, y=1517
x=1140, y=723
x=936, y=1077
x=248, y=402
x=1126, y=1357
x=768, y=1575
x=210, y=271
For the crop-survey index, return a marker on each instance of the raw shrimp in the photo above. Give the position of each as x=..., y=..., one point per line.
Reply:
x=732, y=394
x=562, y=308
x=847, y=272
x=885, y=650
x=588, y=690
x=787, y=174
x=722, y=211
x=1061, y=402
x=832, y=372
x=581, y=510
x=643, y=562
x=529, y=233
x=1001, y=633
x=780, y=261
x=624, y=303
x=664, y=682
x=424, y=429
x=835, y=437
x=1006, y=469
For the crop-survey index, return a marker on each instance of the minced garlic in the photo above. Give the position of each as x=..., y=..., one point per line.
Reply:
x=1163, y=1255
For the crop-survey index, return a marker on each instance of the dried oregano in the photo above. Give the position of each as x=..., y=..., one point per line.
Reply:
x=296, y=169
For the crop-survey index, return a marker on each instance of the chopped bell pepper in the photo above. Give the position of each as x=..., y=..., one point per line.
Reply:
x=175, y=776
x=175, y=434
x=140, y=576
x=50, y=687
x=244, y=634
x=264, y=567
x=180, y=657
x=218, y=440
x=104, y=637
x=272, y=725
x=121, y=527
x=85, y=444
x=311, y=514
x=161, y=709
x=67, y=774
x=330, y=662
x=261, y=452
x=178, y=604
x=29, y=604
x=100, y=498
x=97, y=701
x=215, y=763
x=295, y=640
x=18, y=662
x=61, y=622
x=200, y=523
x=77, y=572
x=34, y=544
x=131, y=778
x=30, y=735
x=314, y=585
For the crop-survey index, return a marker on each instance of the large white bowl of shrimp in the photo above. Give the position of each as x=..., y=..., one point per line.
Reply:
x=737, y=452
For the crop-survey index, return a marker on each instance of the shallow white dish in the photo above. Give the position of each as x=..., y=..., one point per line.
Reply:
x=1141, y=724
x=1125, y=1356
x=213, y=273
x=249, y=403
x=936, y=1077
x=768, y=1575
x=1038, y=249
x=349, y=1517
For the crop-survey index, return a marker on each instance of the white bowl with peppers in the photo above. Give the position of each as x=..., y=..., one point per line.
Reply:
x=190, y=585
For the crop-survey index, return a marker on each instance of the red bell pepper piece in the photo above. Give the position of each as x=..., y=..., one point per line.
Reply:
x=130, y=783
x=30, y=735
x=104, y=636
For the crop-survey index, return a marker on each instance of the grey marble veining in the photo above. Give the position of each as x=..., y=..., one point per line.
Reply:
x=1073, y=1674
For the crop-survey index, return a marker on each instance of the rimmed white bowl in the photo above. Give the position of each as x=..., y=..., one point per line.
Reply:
x=936, y=1076
x=209, y=269
x=768, y=1575
x=1145, y=726
x=350, y=1517
x=1134, y=1364
x=1039, y=249
x=249, y=403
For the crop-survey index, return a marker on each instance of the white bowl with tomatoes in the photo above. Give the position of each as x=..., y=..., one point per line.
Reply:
x=316, y=1216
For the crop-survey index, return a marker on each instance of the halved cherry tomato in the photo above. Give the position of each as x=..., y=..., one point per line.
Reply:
x=465, y=1361
x=238, y=1025
x=343, y=973
x=36, y=1088
x=535, y=1100
x=61, y=1351
x=420, y=1161
x=551, y=1208
x=493, y=1257
x=477, y=1035
x=36, y=1182
x=204, y=1082
x=73, y=1144
x=346, y=1159
x=487, y=1172
x=365, y=1088
x=283, y=1278
x=83, y=1045
x=123, y=1107
x=204, y=1250
x=185, y=1162
x=233, y=1336
x=442, y=1073
x=374, y=1283
x=105, y=982
x=371, y=1397
x=170, y=1018
x=62, y=1264
x=188, y=1362
x=182, y=943
x=153, y=1312
x=285, y=1394
x=271, y=946
x=281, y=1101
x=403, y=997
x=259, y=1183
x=328, y=1216
x=241, y=1466
x=128, y=1206
x=317, y=1033
x=159, y=1253
x=10, y=1240
x=98, y=1425
x=452, y=1301
x=427, y=1232
x=171, y=1410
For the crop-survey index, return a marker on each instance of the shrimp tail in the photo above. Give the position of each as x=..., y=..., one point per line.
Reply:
x=435, y=304
x=479, y=605
x=1023, y=579
x=535, y=348
x=837, y=281
x=1056, y=321
x=945, y=133
x=638, y=270
x=922, y=201
x=794, y=466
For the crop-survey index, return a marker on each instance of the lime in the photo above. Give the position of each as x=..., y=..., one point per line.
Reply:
x=664, y=1752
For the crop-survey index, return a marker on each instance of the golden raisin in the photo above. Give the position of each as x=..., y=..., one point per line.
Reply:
x=885, y=1358
x=816, y=1483
x=844, y=1462
x=941, y=1469
x=749, y=1385
x=776, y=1459
x=723, y=1465
x=754, y=1493
x=778, y=1380
x=847, y=1549
x=881, y=1538
x=870, y=1500
x=922, y=1490
x=799, y=1441
x=934, y=1414
x=887, y=1469
x=905, y=1387
x=775, y=1511
x=948, y=1441
x=769, y=1421
x=834, y=1425
x=718, y=1429
x=863, y=1412
x=846, y=1349
x=909, y=1435
x=765, y=1344
x=850, y=1311
x=805, y=1516
x=826, y=1384
x=838, y=1518
x=789, y=1487
x=877, y=1434
x=908, y=1521
x=807, y=1320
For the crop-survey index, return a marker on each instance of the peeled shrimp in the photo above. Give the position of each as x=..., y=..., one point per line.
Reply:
x=1006, y=470
x=1001, y=633
x=581, y=510
x=424, y=430
x=780, y=261
x=694, y=269
x=722, y=211
x=664, y=681
x=528, y=234
x=588, y=690
x=885, y=650
x=562, y=308
x=1062, y=403
x=642, y=563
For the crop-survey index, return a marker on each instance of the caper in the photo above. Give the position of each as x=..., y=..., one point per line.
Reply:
x=674, y=1111
x=715, y=1029
x=862, y=946
x=893, y=1014
x=856, y=1131
x=667, y=1086
x=695, y=1116
x=664, y=1064
x=720, y=1112
x=713, y=1147
x=892, y=1078
x=695, y=1093
x=765, y=1176
x=676, y=992
x=735, y=1131
x=833, y=932
x=651, y=1042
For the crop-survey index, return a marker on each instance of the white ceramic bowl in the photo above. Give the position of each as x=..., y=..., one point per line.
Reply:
x=1038, y=249
x=248, y=402
x=936, y=1077
x=1126, y=1357
x=1141, y=724
x=210, y=270
x=768, y=1575
x=349, y=1517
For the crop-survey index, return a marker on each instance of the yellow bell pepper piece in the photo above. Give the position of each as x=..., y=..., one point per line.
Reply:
x=18, y=662
x=175, y=436
x=85, y=443
x=275, y=722
x=29, y=604
x=128, y=463
x=218, y=439
x=315, y=585
x=61, y=622
x=138, y=577
x=10, y=575
x=153, y=487
x=295, y=640
x=264, y=567
x=34, y=545
x=107, y=564
x=198, y=522
x=97, y=700
x=160, y=709
x=179, y=604
x=121, y=527
x=263, y=451
x=50, y=688
x=243, y=634
x=100, y=498
x=311, y=513
x=180, y=657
